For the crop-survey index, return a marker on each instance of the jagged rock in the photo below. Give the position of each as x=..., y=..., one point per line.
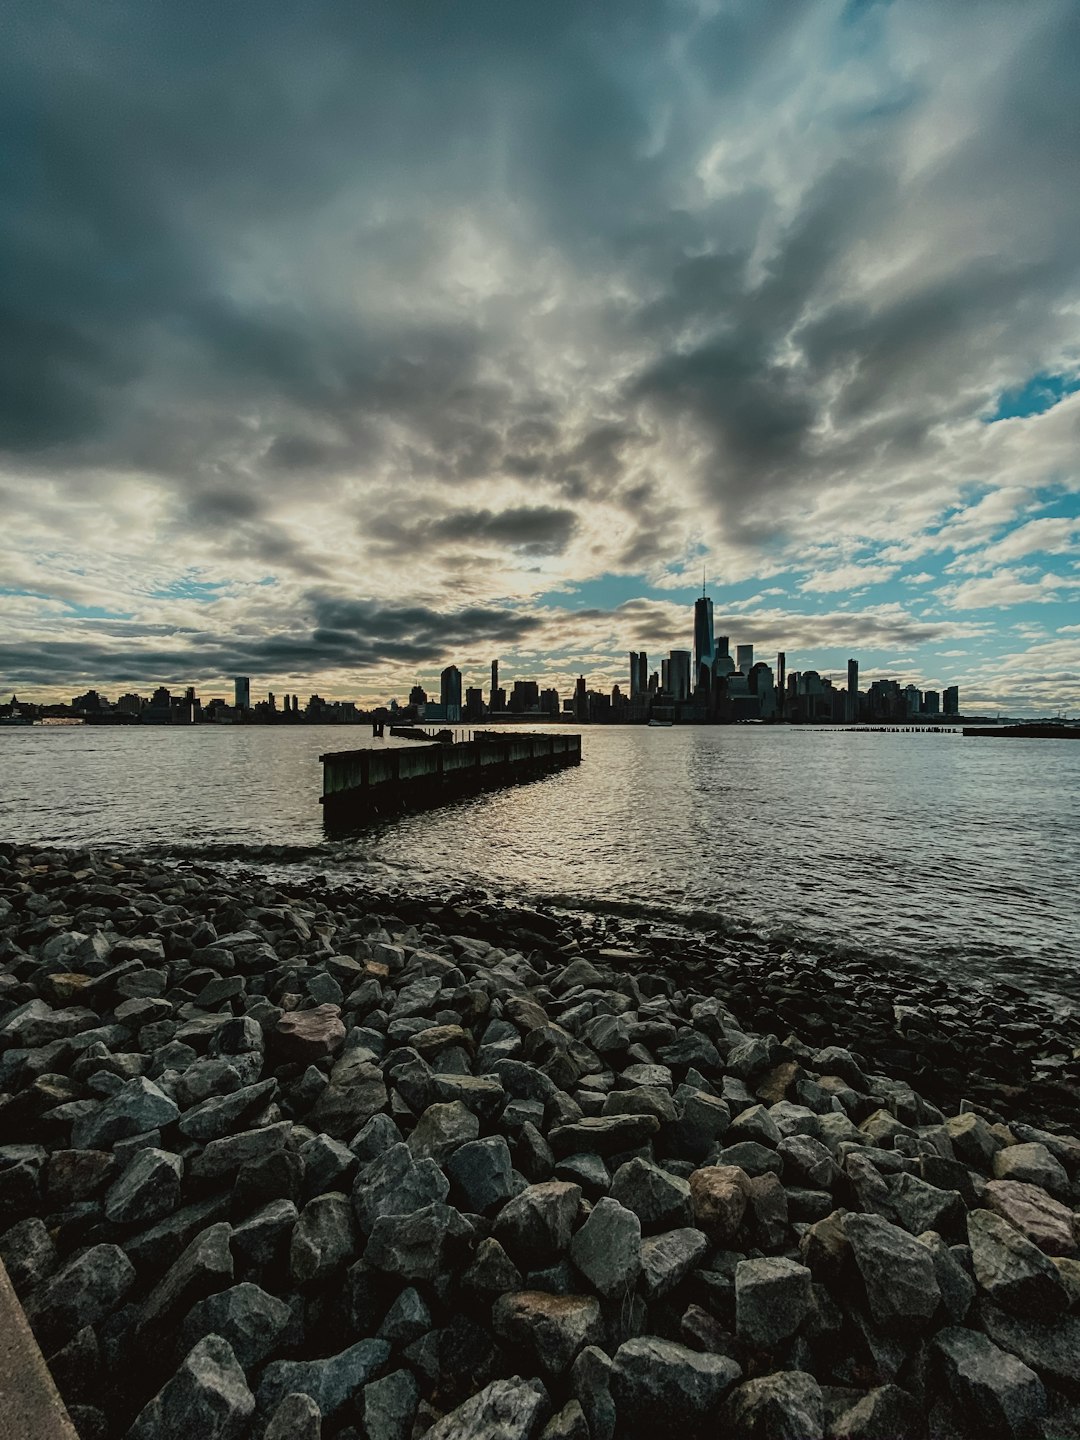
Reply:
x=263, y=1235
x=407, y=1319
x=668, y=1258
x=918, y=1206
x=901, y=1284
x=75, y=1175
x=395, y=1184
x=787, y=1405
x=807, y=1161
x=603, y=1134
x=1000, y=1393
x=323, y=1239
x=330, y=1382
x=553, y=1328
x=533, y=1155
x=28, y=1253
x=206, y=1265
x=355, y=1093
x=480, y=1173
x=1052, y=1347
x=956, y=1285
x=590, y=1383
x=886, y=1411
x=492, y=1272
x=660, y=1386
x=306, y=1035
x=138, y=1106
x=326, y=1164
x=208, y=1396
x=244, y=1315
x=569, y=1424
x=973, y=1141
x=221, y=1114
x=1032, y=1164
x=659, y=1200
x=1014, y=1273
x=389, y=1406
x=719, y=1195
x=773, y=1297
x=82, y=1292
x=1045, y=1222
x=441, y=1129
x=148, y=1189
x=768, y=1203
x=229, y=1154
x=297, y=1417
x=754, y=1123
x=535, y=1226
x=415, y=1246
x=607, y=1248
x=504, y=1410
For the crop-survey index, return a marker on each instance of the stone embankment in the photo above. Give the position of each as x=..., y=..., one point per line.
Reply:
x=280, y=1163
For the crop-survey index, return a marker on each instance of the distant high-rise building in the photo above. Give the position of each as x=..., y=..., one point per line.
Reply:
x=678, y=664
x=242, y=692
x=450, y=692
x=912, y=700
x=639, y=673
x=474, y=703
x=494, y=682
x=744, y=656
x=950, y=700
x=498, y=701
x=704, y=642
x=723, y=645
x=851, y=706
x=581, y=700
x=931, y=702
x=417, y=695
x=781, y=680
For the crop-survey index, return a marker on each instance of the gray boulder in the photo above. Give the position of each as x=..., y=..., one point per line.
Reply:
x=323, y=1239
x=222, y=1114
x=148, y=1189
x=82, y=1292
x=415, y=1246
x=535, y=1227
x=330, y=1382
x=551, y=1328
x=1014, y=1273
x=138, y=1106
x=1000, y=1393
x=511, y=1409
x=773, y=1297
x=395, y=1184
x=480, y=1173
x=787, y=1405
x=607, y=1248
x=205, y=1266
x=901, y=1283
x=441, y=1129
x=660, y=1387
x=297, y=1417
x=668, y=1258
x=208, y=1397
x=660, y=1200
x=244, y=1315
x=389, y=1406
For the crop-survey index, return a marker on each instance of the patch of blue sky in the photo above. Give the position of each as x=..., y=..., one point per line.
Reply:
x=188, y=588
x=1037, y=395
x=605, y=592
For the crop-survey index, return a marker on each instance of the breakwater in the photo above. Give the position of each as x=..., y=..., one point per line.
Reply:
x=275, y=1158
x=361, y=783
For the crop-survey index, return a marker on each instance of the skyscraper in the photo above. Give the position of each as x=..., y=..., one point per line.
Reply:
x=450, y=692
x=242, y=692
x=744, y=658
x=950, y=700
x=704, y=643
x=494, y=682
x=639, y=673
x=851, y=708
x=781, y=680
x=678, y=664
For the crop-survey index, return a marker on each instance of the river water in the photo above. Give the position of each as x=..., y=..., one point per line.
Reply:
x=960, y=856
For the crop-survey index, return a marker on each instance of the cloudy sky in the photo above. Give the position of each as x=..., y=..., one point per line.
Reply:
x=339, y=341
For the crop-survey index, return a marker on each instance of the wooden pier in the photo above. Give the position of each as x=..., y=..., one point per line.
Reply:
x=363, y=784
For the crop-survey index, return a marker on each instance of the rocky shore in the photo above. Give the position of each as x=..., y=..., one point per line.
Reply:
x=281, y=1161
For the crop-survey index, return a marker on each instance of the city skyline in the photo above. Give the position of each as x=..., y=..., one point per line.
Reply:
x=332, y=362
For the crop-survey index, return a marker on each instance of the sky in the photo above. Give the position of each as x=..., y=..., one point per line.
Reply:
x=340, y=342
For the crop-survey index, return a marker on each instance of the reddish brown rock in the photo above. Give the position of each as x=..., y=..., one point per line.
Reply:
x=719, y=1194
x=1046, y=1222
x=311, y=1034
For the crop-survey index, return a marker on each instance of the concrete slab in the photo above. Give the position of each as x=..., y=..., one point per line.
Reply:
x=30, y=1404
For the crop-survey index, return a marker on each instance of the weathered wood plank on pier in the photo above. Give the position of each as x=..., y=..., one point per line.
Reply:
x=361, y=783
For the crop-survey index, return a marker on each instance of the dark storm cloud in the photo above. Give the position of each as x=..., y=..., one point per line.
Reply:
x=533, y=530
